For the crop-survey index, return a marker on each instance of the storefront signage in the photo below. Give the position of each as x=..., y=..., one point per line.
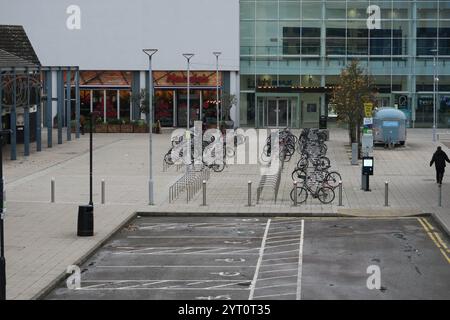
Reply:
x=178, y=78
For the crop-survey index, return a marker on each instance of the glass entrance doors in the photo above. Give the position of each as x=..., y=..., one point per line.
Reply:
x=276, y=112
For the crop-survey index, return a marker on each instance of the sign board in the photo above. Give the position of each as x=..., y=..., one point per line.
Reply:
x=368, y=121
x=367, y=166
x=368, y=108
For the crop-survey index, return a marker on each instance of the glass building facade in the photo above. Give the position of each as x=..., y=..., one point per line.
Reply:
x=292, y=52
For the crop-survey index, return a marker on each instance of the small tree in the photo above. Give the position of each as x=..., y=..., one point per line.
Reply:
x=227, y=101
x=355, y=88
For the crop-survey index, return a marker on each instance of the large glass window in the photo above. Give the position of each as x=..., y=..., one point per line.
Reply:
x=164, y=107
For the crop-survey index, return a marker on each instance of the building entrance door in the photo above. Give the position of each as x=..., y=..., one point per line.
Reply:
x=276, y=112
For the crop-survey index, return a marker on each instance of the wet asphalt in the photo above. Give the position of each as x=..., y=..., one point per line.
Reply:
x=218, y=258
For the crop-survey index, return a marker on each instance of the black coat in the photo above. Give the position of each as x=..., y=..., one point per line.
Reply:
x=439, y=158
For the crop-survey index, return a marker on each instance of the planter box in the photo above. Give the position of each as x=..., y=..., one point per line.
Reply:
x=101, y=128
x=126, y=128
x=113, y=128
x=140, y=129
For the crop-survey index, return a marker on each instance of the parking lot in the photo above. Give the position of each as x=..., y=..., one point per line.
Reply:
x=198, y=258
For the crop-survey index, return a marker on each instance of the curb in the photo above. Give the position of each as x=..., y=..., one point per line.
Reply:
x=53, y=284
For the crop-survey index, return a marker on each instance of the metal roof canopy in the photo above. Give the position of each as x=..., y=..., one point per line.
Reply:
x=43, y=68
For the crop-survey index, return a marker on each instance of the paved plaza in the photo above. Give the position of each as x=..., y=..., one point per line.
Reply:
x=41, y=236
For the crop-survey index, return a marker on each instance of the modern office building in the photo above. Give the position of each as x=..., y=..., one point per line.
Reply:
x=280, y=58
x=293, y=51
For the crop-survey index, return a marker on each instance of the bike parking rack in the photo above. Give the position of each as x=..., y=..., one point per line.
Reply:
x=191, y=182
x=272, y=181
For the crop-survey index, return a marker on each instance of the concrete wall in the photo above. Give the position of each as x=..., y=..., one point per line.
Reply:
x=114, y=32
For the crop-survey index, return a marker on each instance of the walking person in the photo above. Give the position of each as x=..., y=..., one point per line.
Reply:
x=439, y=159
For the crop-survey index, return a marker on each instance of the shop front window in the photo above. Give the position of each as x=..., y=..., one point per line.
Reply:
x=182, y=107
x=209, y=106
x=124, y=96
x=164, y=107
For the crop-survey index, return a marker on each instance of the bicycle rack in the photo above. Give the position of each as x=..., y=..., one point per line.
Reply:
x=191, y=182
x=272, y=181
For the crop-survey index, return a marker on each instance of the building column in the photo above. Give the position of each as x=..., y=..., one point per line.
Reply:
x=1, y=104
x=174, y=116
x=118, y=104
x=49, y=106
x=13, y=119
x=146, y=80
x=60, y=104
x=69, y=104
x=38, y=115
x=26, y=120
x=77, y=103
x=104, y=106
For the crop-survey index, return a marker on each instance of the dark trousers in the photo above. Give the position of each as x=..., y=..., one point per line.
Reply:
x=439, y=175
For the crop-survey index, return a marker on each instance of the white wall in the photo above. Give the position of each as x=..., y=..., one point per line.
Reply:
x=114, y=32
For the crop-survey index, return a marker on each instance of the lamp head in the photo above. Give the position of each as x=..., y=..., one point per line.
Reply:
x=150, y=52
x=188, y=56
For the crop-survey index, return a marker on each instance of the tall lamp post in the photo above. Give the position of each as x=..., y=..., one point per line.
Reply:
x=2, y=218
x=217, y=54
x=435, y=79
x=188, y=57
x=150, y=53
x=86, y=213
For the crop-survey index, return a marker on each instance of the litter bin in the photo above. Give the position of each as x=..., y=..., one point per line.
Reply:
x=323, y=122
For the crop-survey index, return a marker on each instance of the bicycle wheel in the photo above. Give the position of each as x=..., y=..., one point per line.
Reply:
x=218, y=166
x=332, y=179
x=302, y=194
x=324, y=163
x=298, y=175
x=168, y=159
x=326, y=195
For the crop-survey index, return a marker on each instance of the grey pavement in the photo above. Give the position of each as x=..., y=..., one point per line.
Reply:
x=41, y=236
x=266, y=259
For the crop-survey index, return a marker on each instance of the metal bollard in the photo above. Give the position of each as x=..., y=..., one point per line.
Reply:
x=52, y=190
x=440, y=195
x=249, y=193
x=340, y=194
x=103, y=191
x=386, y=194
x=295, y=193
x=204, y=193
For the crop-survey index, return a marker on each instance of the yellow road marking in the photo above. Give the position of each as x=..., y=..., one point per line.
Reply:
x=445, y=255
x=441, y=241
x=423, y=225
x=434, y=236
x=428, y=224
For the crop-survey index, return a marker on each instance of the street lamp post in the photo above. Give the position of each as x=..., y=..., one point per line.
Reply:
x=188, y=57
x=217, y=54
x=2, y=226
x=434, y=94
x=150, y=53
x=85, y=227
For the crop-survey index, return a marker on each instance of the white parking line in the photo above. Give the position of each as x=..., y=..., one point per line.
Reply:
x=287, y=258
x=161, y=266
x=274, y=278
x=300, y=263
x=258, y=265
x=275, y=295
x=279, y=270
